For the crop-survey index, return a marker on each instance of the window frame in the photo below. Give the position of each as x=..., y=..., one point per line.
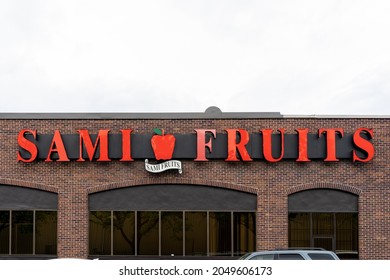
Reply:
x=34, y=235
x=136, y=212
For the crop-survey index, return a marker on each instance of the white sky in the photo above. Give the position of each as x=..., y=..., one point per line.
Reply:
x=293, y=57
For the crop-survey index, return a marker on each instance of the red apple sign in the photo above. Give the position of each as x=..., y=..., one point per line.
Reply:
x=162, y=144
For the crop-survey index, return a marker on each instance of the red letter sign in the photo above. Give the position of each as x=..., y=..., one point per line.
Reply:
x=363, y=144
x=302, y=144
x=331, y=141
x=27, y=145
x=91, y=148
x=233, y=146
x=126, y=145
x=57, y=145
x=267, y=144
x=201, y=143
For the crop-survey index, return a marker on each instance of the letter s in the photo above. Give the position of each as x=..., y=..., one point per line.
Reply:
x=363, y=144
x=27, y=145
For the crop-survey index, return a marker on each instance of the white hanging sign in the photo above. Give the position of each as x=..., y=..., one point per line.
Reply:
x=163, y=166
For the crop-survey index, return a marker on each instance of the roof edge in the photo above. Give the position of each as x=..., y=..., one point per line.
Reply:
x=336, y=116
x=212, y=112
x=151, y=116
x=164, y=116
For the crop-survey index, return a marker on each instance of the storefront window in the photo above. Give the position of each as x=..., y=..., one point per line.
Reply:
x=196, y=233
x=4, y=232
x=171, y=233
x=21, y=239
x=100, y=232
x=299, y=229
x=153, y=233
x=220, y=233
x=22, y=232
x=324, y=218
x=124, y=229
x=332, y=231
x=347, y=232
x=46, y=232
x=148, y=232
x=244, y=232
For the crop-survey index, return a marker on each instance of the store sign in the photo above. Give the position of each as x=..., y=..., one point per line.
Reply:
x=327, y=144
x=163, y=146
x=164, y=166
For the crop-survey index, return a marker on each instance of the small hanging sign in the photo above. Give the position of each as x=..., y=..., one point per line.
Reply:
x=163, y=166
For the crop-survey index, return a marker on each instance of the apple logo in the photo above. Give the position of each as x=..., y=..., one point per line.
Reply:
x=162, y=144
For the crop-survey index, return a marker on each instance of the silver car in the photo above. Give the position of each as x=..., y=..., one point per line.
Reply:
x=291, y=254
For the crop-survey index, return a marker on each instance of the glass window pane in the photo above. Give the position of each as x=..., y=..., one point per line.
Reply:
x=172, y=233
x=22, y=232
x=328, y=230
x=100, y=233
x=220, y=234
x=46, y=232
x=323, y=224
x=124, y=227
x=347, y=232
x=244, y=230
x=148, y=233
x=324, y=243
x=4, y=232
x=299, y=230
x=196, y=233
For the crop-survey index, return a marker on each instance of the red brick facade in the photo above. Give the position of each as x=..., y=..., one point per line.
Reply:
x=272, y=182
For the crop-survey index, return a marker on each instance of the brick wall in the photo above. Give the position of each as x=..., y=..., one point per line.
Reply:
x=272, y=182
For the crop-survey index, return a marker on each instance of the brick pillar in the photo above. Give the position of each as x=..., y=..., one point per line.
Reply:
x=72, y=222
x=278, y=213
x=262, y=220
x=272, y=218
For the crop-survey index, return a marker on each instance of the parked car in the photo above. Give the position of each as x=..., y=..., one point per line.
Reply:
x=291, y=254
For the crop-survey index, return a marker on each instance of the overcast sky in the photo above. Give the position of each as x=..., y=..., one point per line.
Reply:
x=293, y=57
